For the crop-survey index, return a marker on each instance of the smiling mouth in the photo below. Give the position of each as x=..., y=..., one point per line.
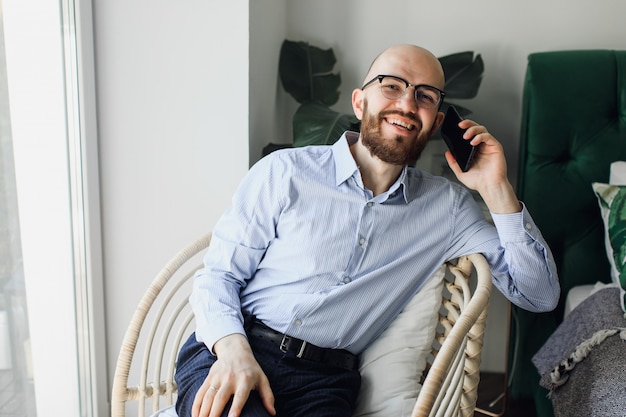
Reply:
x=401, y=124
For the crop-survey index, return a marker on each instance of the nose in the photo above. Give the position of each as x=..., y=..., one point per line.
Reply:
x=407, y=100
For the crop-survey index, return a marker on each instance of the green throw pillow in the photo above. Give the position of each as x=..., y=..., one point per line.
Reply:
x=612, y=199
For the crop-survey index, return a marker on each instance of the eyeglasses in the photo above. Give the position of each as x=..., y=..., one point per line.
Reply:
x=393, y=88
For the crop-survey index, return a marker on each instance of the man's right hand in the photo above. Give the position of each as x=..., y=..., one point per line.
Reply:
x=235, y=373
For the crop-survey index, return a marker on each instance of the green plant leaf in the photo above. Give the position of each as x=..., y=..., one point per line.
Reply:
x=271, y=147
x=306, y=73
x=463, y=73
x=316, y=124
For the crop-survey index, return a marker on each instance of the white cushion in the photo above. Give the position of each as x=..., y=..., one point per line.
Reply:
x=166, y=412
x=618, y=173
x=392, y=366
x=580, y=293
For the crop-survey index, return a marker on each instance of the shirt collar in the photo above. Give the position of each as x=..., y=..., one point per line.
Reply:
x=346, y=167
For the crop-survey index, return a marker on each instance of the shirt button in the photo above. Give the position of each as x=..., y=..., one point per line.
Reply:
x=370, y=204
x=529, y=226
x=346, y=280
x=298, y=322
x=361, y=241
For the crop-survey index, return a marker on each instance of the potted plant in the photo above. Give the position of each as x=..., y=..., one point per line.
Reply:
x=306, y=73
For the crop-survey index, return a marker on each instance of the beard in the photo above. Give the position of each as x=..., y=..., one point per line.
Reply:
x=398, y=150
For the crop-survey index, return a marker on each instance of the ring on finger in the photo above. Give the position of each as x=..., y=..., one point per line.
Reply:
x=213, y=388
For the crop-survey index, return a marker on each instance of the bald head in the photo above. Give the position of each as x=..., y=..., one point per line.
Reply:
x=416, y=64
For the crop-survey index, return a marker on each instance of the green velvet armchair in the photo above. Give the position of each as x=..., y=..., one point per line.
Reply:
x=573, y=127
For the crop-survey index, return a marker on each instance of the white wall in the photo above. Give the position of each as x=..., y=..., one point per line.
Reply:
x=268, y=26
x=172, y=85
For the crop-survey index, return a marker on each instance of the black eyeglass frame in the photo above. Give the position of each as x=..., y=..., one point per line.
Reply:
x=408, y=84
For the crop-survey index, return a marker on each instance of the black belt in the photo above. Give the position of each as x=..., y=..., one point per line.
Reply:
x=304, y=350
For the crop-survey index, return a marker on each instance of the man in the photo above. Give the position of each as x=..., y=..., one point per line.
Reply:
x=323, y=246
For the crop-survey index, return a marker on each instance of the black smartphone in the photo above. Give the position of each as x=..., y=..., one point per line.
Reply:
x=452, y=134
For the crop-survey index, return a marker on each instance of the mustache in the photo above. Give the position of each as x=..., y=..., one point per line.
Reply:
x=409, y=116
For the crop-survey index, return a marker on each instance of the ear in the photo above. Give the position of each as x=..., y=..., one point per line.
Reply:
x=438, y=121
x=357, y=103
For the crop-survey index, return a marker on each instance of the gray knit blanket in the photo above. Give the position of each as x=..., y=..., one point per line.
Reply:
x=583, y=363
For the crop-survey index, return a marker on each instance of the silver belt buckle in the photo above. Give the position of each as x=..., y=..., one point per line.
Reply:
x=283, y=346
x=301, y=351
x=283, y=343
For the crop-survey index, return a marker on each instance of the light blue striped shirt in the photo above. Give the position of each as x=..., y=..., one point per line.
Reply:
x=308, y=250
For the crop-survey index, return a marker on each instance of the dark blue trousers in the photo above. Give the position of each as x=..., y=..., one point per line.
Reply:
x=301, y=387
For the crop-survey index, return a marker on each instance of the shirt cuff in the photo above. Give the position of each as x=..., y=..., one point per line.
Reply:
x=209, y=335
x=515, y=227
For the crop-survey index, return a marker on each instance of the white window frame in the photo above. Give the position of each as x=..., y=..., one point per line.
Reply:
x=49, y=53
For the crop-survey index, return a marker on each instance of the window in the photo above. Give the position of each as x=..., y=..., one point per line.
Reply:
x=54, y=236
x=16, y=377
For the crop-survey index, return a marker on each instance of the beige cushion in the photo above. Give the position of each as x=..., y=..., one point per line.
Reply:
x=392, y=366
x=166, y=412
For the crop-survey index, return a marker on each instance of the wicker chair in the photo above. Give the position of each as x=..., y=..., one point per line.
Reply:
x=163, y=319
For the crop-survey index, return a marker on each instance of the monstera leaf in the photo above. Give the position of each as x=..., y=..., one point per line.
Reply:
x=306, y=73
x=316, y=124
x=464, y=74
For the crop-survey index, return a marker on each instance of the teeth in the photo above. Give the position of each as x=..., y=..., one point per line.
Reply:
x=400, y=123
